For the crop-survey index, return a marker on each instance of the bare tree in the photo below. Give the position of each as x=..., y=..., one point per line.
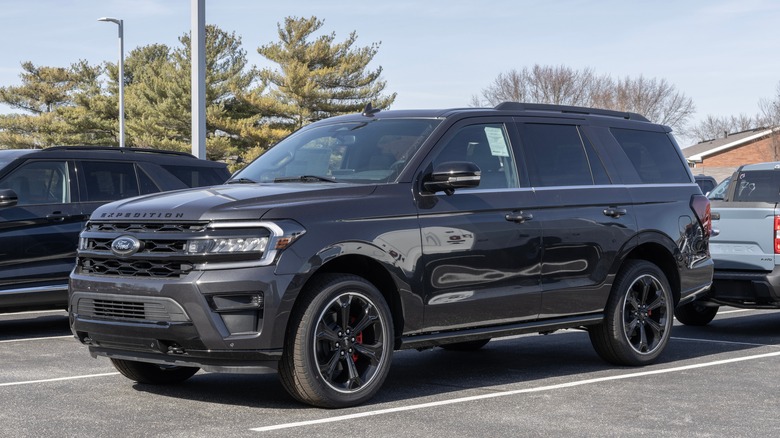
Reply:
x=507, y=87
x=770, y=116
x=656, y=99
x=540, y=84
x=770, y=109
x=713, y=127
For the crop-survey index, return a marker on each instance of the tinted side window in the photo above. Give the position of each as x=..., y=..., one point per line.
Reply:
x=705, y=185
x=758, y=186
x=108, y=181
x=555, y=155
x=146, y=184
x=40, y=182
x=596, y=166
x=653, y=155
x=195, y=176
x=487, y=146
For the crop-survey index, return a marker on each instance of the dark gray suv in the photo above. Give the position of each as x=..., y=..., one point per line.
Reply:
x=363, y=234
x=46, y=196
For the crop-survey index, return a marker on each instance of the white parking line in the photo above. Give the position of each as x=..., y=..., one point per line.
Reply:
x=510, y=393
x=59, y=379
x=726, y=312
x=8, y=341
x=716, y=341
x=31, y=312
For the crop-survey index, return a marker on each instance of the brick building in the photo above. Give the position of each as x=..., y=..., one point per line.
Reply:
x=722, y=156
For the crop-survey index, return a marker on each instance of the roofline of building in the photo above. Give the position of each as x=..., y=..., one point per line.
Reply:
x=698, y=158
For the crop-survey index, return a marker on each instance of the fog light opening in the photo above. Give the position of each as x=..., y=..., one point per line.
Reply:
x=232, y=303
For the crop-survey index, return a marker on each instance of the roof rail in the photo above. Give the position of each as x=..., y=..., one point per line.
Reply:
x=519, y=106
x=117, y=149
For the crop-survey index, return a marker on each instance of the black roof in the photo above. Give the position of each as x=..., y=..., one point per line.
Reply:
x=507, y=107
x=103, y=152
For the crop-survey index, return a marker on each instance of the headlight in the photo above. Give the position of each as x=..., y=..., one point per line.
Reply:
x=260, y=242
x=228, y=245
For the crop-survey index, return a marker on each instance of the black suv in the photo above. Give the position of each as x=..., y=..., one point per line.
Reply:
x=362, y=234
x=47, y=195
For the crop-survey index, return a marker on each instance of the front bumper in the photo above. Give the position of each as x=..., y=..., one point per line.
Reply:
x=211, y=319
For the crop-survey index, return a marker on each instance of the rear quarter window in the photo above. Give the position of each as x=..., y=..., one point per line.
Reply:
x=108, y=180
x=655, y=157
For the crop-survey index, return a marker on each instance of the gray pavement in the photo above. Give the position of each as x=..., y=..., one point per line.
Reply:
x=719, y=380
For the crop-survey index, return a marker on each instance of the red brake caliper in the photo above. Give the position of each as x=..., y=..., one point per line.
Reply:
x=358, y=340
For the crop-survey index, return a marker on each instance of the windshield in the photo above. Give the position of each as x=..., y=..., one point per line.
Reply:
x=719, y=192
x=373, y=151
x=6, y=156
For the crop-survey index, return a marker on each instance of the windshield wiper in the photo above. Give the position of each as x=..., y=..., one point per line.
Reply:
x=304, y=178
x=241, y=180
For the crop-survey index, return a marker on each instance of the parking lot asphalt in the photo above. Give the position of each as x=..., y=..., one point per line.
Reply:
x=718, y=380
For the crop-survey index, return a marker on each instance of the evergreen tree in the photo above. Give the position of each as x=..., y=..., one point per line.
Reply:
x=317, y=77
x=157, y=100
x=53, y=100
x=246, y=110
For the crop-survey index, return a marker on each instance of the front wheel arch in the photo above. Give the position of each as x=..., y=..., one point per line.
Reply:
x=379, y=275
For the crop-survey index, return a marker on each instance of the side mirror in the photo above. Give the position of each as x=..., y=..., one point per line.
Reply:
x=453, y=175
x=8, y=198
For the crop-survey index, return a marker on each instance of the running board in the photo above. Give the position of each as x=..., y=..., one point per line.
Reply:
x=465, y=335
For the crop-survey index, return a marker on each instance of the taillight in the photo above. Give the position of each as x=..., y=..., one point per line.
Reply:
x=701, y=207
x=777, y=234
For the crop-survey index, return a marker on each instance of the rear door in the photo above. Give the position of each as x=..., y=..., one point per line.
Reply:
x=40, y=233
x=101, y=182
x=586, y=220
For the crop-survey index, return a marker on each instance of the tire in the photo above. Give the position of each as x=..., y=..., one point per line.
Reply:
x=153, y=374
x=339, y=343
x=638, y=316
x=466, y=346
x=695, y=314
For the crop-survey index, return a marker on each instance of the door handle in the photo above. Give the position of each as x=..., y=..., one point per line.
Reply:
x=614, y=212
x=519, y=217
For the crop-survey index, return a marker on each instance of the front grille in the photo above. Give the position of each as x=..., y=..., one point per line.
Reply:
x=123, y=310
x=149, y=246
x=134, y=268
x=162, y=254
x=129, y=309
x=159, y=250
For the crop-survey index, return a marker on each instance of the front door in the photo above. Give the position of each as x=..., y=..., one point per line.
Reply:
x=481, y=252
x=39, y=234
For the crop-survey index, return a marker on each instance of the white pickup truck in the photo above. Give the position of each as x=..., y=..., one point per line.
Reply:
x=745, y=246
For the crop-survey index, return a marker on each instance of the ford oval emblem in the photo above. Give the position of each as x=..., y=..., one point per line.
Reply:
x=125, y=246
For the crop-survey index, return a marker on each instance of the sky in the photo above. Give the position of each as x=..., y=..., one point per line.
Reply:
x=723, y=54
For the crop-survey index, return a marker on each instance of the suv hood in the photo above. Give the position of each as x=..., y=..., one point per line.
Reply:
x=226, y=202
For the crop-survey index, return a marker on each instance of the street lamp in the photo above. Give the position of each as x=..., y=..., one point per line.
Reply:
x=121, y=78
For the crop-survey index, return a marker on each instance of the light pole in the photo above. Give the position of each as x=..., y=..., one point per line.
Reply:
x=121, y=78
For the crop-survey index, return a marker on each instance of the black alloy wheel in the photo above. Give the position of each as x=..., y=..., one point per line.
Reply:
x=343, y=341
x=638, y=318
